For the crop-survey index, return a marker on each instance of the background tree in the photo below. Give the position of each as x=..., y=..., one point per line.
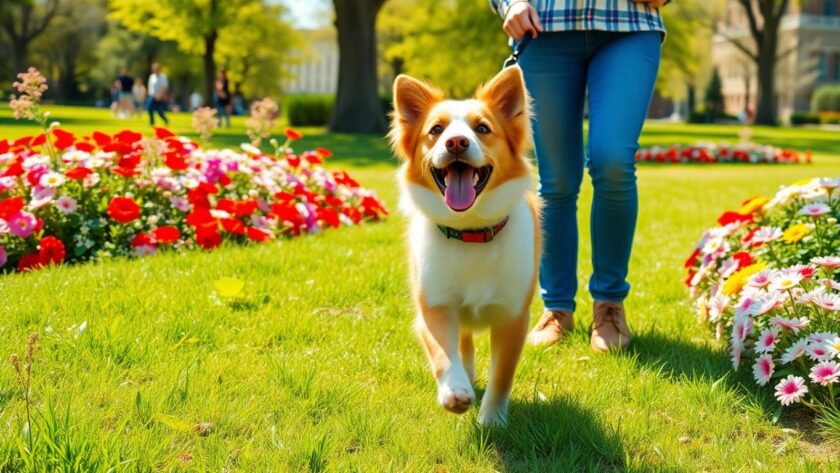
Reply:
x=764, y=17
x=714, y=96
x=456, y=44
x=195, y=25
x=357, y=105
x=22, y=21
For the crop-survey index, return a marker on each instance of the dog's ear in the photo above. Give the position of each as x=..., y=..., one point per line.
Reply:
x=507, y=97
x=506, y=93
x=412, y=101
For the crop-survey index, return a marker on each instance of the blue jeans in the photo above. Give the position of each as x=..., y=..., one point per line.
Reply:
x=158, y=106
x=619, y=71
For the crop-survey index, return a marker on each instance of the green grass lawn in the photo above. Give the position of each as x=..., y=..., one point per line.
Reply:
x=317, y=368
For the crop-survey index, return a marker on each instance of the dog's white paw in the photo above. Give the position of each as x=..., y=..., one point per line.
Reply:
x=455, y=397
x=493, y=414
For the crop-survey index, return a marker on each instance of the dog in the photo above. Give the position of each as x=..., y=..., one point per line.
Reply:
x=474, y=231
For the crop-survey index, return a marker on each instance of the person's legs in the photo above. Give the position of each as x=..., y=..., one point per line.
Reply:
x=150, y=106
x=554, y=65
x=621, y=78
x=161, y=110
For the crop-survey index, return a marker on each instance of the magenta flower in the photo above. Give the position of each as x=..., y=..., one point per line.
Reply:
x=790, y=390
x=22, y=224
x=825, y=373
x=3, y=256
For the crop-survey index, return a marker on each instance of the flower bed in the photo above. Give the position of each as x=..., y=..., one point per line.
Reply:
x=767, y=278
x=709, y=153
x=67, y=198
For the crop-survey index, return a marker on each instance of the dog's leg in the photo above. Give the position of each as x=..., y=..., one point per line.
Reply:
x=468, y=353
x=438, y=329
x=506, y=343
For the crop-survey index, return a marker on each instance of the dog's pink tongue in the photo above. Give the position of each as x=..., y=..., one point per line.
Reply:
x=460, y=193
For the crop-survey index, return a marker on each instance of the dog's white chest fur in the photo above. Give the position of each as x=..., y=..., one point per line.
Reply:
x=484, y=282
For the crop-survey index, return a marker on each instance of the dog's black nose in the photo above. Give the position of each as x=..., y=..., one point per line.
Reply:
x=457, y=144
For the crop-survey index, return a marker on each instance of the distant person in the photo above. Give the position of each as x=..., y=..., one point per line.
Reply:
x=138, y=94
x=115, y=98
x=157, y=89
x=125, y=104
x=196, y=100
x=238, y=105
x=221, y=97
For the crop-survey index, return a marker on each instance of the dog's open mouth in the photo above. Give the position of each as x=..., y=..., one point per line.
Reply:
x=461, y=183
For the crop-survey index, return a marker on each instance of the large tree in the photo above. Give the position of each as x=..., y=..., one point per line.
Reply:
x=194, y=24
x=437, y=41
x=22, y=21
x=357, y=106
x=764, y=17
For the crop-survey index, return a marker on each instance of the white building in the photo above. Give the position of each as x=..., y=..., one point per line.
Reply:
x=315, y=69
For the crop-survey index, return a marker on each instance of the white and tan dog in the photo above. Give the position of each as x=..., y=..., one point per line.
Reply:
x=474, y=235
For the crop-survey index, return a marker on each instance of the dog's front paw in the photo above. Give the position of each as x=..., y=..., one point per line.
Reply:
x=493, y=414
x=455, y=397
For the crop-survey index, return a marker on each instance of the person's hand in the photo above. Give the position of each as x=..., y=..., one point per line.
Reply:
x=653, y=3
x=520, y=19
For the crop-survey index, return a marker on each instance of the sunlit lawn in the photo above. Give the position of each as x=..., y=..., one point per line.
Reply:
x=317, y=368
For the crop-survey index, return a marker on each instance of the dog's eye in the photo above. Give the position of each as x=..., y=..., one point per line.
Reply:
x=482, y=128
x=436, y=130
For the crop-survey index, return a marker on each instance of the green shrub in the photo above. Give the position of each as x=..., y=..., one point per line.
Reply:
x=804, y=118
x=826, y=99
x=309, y=109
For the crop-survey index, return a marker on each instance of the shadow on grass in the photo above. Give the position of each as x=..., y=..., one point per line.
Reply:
x=555, y=435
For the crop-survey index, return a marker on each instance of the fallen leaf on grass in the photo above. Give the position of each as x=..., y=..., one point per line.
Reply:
x=203, y=428
x=229, y=288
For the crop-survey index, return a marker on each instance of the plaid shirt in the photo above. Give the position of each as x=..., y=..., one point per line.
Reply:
x=601, y=15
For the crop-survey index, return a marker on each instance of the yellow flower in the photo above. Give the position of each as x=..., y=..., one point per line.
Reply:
x=752, y=205
x=795, y=233
x=736, y=282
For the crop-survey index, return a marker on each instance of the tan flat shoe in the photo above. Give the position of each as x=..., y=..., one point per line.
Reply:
x=551, y=327
x=609, y=327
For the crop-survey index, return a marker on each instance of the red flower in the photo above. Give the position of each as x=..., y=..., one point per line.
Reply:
x=162, y=133
x=293, y=135
x=10, y=206
x=125, y=172
x=233, y=225
x=747, y=240
x=63, y=139
x=201, y=218
x=176, y=162
x=294, y=161
x=15, y=169
x=4, y=147
x=142, y=239
x=692, y=259
x=166, y=235
x=22, y=141
x=258, y=235
x=198, y=199
x=29, y=262
x=733, y=217
x=78, y=173
x=328, y=216
x=123, y=210
x=807, y=272
x=39, y=140
x=51, y=251
x=100, y=138
x=246, y=208
x=743, y=258
x=208, y=239
x=128, y=136
x=324, y=153
x=227, y=205
x=312, y=157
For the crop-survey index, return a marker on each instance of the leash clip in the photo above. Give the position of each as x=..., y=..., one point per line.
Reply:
x=517, y=51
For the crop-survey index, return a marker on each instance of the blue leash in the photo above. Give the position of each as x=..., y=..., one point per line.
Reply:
x=517, y=51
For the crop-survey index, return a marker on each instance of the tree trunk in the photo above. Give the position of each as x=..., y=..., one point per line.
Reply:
x=20, y=53
x=357, y=106
x=691, y=99
x=209, y=66
x=767, y=110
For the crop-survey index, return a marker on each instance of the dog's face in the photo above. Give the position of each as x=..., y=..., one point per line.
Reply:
x=463, y=157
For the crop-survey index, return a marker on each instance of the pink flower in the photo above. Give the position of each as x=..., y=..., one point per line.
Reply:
x=827, y=301
x=767, y=234
x=763, y=369
x=746, y=307
x=819, y=338
x=23, y=107
x=767, y=340
x=761, y=278
x=794, y=351
x=815, y=210
x=817, y=352
x=825, y=373
x=790, y=390
x=3, y=256
x=41, y=196
x=735, y=353
x=31, y=83
x=790, y=324
x=66, y=205
x=22, y=224
x=783, y=281
x=742, y=327
x=827, y=262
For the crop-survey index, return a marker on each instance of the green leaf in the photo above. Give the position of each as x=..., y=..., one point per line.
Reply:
x=229, y=288
x=174, y=423
x=777, y=414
